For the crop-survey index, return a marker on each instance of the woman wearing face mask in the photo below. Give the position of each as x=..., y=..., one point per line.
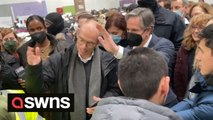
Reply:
x=40, y=38
x=116, y=26
x=9, y=60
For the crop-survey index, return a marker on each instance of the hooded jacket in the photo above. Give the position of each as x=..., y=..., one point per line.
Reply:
x=201, y=106
x=121, y=108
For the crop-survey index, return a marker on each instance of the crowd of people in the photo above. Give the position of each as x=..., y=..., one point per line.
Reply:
x=153, y=62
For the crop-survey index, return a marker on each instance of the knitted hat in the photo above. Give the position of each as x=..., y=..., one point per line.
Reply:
x=56, y=23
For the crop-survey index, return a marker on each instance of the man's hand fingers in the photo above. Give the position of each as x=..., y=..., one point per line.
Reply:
x=37, y=51
x=22, y=82
x=103, y=31
x=97, y=99
x=30, y=51
x=90, y=110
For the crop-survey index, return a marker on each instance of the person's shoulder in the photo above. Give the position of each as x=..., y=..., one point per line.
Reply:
x=106, y=55
x=25, y=45
x=170, y=17
x=118, y=105
x=205, y=97
x=65, y=52
x=166, y=12
x=162, y=40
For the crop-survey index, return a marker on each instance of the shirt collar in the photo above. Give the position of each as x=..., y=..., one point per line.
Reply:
x=147, y=42
x=87, y=59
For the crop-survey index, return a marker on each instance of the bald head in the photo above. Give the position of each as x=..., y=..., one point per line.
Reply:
x=87, y=38
x=89, y=30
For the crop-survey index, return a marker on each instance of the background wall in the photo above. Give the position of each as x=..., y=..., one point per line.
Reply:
x=100, y=4
x=89, y=4
x=23, y=9
x=51, y=5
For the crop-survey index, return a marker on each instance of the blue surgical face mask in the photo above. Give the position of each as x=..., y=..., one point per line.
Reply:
x=179, y=13
x=116, y=38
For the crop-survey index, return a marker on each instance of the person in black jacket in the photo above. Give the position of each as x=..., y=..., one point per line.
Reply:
x=55, y=26
x=82, y=69
x=167, y=23
x=40, y=38
x=11, y=70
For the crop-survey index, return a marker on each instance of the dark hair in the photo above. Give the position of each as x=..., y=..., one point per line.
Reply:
x=117, y=20
x=34, y=17
x=131, y=7
x=140, y=72
x=207, y=35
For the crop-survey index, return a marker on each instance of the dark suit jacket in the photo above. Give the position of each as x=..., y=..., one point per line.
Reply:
x=167, y=50
x=163, y=47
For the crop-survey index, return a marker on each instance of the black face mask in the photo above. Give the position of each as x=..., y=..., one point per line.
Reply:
x=39, y=37
x=55, y=29
x=151, y=4
x=134, y=39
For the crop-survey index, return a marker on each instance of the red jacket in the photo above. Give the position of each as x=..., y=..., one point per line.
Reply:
x=183, y=71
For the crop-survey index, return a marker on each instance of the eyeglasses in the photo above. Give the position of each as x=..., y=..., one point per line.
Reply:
x=196, y=28
x=84, y=42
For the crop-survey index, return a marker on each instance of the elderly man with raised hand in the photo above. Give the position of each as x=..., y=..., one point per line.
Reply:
x=82, y=69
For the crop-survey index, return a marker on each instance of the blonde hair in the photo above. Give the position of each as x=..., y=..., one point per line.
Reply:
x=200, y=21
x=205, y=6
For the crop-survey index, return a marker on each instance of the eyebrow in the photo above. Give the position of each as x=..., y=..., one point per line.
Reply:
x=86, y=41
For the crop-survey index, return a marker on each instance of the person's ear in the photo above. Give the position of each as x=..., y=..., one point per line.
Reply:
x=164, y=85
x=148, y=31
x=97, y=42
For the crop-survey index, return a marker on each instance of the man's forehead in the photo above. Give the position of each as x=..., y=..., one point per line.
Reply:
x=88, y=37
x=134, y=22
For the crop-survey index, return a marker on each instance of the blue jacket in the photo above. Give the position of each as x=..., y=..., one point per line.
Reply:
x=164, y=47
x=201, y=106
